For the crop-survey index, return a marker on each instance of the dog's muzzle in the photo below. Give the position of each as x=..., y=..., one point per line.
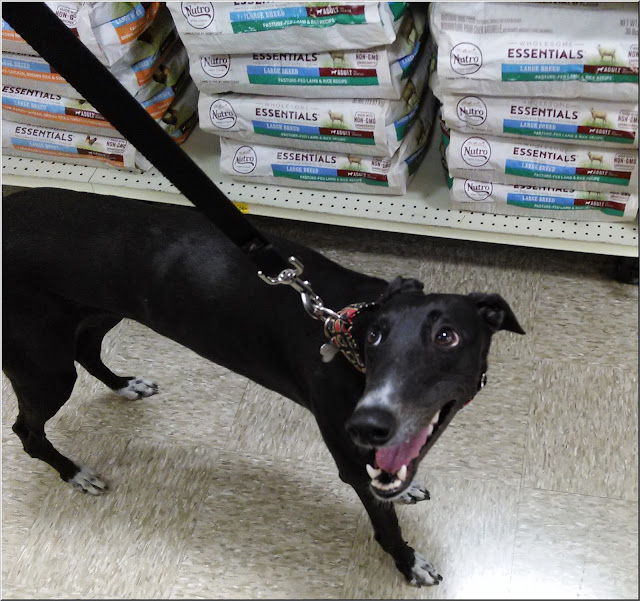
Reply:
x=394, y=467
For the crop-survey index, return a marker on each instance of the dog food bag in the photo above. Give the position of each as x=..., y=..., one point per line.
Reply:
x=32, y=141
x=541, y=201
x=373, y=73
x=167, y=82
x=33, y=72
x=520, y=161
x=149, y=50
x=108, y=29
x=76, y=114
x=50, y=110
x=182, y=116
x=67, y=12
x=137, y=66
x=370, y=127
x=557, y=50
x=331, y=171
x=134, y=71
x=13, y=42
x=241, y=27
x=572, y=121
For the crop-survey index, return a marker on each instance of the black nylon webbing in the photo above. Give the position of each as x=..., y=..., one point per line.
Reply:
x=48, y=36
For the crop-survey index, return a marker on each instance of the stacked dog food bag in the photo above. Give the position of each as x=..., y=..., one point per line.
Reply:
x=539, y=107
x=319, y=95
x=45, y=117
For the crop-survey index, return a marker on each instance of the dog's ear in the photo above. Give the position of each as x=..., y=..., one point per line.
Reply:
x=496, y=312
x=401, y=285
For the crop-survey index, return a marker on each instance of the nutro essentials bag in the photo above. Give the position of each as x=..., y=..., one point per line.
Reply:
x=519, y=161
x=241, y=27
x=578, y=121
x=558, y=50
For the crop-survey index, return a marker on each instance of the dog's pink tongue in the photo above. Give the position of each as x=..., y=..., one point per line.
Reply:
x=391, y=459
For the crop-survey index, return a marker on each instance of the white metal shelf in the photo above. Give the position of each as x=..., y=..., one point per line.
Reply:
x=423, y=210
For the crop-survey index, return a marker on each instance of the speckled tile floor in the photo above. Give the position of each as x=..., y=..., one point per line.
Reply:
x=221, y=489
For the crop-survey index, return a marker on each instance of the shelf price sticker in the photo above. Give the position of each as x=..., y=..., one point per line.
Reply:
x=243, y=207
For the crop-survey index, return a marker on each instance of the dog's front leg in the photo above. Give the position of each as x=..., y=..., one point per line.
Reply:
x=351, y=461
x=415, y=568
x=414, y=494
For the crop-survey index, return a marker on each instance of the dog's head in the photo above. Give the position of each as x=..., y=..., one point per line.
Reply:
x=425, y=357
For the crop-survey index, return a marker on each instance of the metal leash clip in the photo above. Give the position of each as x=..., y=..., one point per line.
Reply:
x=310, y=300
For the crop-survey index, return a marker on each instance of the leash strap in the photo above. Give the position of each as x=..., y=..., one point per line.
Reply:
x=46, y=34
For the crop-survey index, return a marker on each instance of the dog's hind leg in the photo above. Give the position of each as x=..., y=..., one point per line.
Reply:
x=88, y=351
x=38, y=353
x=39, y=399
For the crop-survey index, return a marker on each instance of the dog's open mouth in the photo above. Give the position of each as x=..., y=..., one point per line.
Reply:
x=394, y=467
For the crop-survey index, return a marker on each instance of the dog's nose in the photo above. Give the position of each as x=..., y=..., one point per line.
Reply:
x=371, y=427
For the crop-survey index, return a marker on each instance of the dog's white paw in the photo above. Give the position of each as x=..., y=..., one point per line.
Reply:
x=87, y=481
x=412, y=495
x=138, y=388
x=423, y=572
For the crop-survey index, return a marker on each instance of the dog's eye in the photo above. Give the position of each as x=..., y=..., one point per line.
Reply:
x=446, y=337
x=374, y=337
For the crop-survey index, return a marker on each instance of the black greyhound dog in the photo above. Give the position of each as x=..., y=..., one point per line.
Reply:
x=75, y=264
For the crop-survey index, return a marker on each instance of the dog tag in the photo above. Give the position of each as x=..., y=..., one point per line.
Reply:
x=328, y=351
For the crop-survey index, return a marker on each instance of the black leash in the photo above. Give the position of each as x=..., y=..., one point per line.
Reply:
x=48, y=36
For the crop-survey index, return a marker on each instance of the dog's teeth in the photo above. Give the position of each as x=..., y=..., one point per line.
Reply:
x=402, y=473
x=373, y=472
x=430, y=430
x=390, y=486
x=434, y=421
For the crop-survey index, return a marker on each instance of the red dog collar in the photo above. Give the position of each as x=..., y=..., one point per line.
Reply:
x=338, y=331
